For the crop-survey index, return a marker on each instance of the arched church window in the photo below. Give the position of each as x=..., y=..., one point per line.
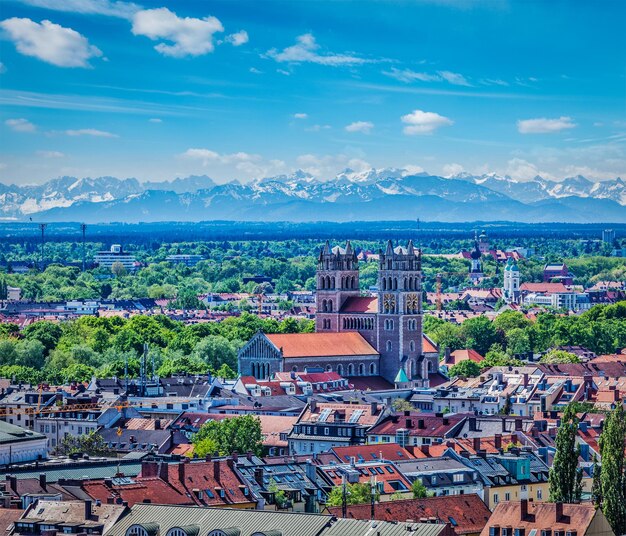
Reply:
x=389, y=346
x=361, y=369
x=372, y=369
x=412, y=346
x=350, y=369
x=340, y=369
x=329, y=368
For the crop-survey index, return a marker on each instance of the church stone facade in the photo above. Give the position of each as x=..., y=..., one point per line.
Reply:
x=389, y=323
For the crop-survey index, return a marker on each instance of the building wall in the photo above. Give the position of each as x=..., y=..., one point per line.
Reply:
x=538, y=492
x=23, y=451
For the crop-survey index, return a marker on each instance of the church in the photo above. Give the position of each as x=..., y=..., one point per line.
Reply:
x=356, y=336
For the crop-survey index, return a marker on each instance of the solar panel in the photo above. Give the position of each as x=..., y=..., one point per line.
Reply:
x=356, y=415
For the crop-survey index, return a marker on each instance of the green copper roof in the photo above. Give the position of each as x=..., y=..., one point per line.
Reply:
x=401, y=377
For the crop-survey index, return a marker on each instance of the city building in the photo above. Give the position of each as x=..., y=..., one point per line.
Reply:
x=355, y=335
x=18, y=445
x=187, y=260
x=511, y=286
x=553, y=273
x=525, y=518
x=608, y=236
x=106, y=259
x=476, y=269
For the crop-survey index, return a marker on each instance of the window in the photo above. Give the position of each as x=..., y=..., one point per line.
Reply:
x=507, y=496
x=389, y=346
x=457, y=477
x=519, y=532
x=540, y=494
x=494, y=531
x=136, y=530
x=496, y=499
x=505, y=531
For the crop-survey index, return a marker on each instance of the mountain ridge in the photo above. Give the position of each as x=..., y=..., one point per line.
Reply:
x=374, y=194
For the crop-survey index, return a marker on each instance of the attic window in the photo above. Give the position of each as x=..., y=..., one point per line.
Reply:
x=452, y=521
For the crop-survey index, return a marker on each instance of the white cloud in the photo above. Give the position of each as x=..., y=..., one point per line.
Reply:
x=411, y=169
x=543, y=125
x=454, y=78
x=420, y=122
x=254, y=70
x=155, y=120
x=252, y=165
x=494, y=82
x=407, y=75
x=20, y=125
x=50, y=154
x=124, y=10
x=283, y=72
x=306, y=50
x=326, y=166
x=364, y=127
x=91, y=132
x=190, y=36
x=50, y=42
x=450, y=170
x=519, y=168
x=300, y=116
x=317, y=128
x=238, y=38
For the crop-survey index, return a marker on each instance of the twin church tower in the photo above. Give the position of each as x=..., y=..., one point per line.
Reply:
x=391, y=321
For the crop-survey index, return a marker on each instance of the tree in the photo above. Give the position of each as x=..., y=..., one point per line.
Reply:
x=46, y=332
x=497, y=357
x=559, y=356
x=357, y=493
x=612, y=470
x=118, y=269
x=225, y=373
x=241, y=434
x=565, y=476
x=280, y=497
x=419, y=490
x=466, y=368
x=91, y=444
x=216, y=351
x=400, y=404
x=479, y=333
x=77, y=372
x=596, y=486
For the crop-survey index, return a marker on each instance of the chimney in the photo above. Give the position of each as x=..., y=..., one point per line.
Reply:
x=498, y=441
x=476, y=443
x=525, y=379
x=249, y=455
x=420, y=424
x=472, y=424
x=88, y=510
x=447, y=355
x=409, y=423
x=426, y=450
x=519, y=425
x=445, y=421
x=558, y=511
x=42, y=481
x=374, y=408
x=12, y=481
x=313, y=406
x=207, y=458
x=504, y=424
x=157, y=424
x=523, y=509
x=164, y=471
x=258, y=476
x=181, y=472
x=216, y=470
x=235, y=456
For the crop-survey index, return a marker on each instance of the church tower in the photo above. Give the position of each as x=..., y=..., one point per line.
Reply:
x=476, y=269
x=400, y=312
x=511, y=287
x=337, y=280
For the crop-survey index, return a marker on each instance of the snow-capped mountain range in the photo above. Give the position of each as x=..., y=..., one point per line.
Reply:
x=374, y=194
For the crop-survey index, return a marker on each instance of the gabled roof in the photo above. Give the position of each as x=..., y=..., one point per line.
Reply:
x=384, y=451
x=544, y=288
x=294, y=345
x=542, y=515
x=360, y=304
x=469, y=512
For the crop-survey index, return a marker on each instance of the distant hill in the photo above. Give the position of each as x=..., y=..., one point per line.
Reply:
x=372, y=195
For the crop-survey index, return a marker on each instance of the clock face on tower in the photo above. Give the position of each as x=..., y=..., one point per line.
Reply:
x=389, y=303
x=412, y=303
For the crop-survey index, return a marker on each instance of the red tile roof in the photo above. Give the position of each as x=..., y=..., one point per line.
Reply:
x=388, y=451
x=7, y=518
x=428, y=346
x=542, y=515
x=296, y=345
x=469, y=512
x=433, y=426
x=547, y=288
x=384, y=473
x=463, y=355
x=360, y=305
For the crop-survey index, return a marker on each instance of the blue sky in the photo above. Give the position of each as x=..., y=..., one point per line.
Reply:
x=238, y=89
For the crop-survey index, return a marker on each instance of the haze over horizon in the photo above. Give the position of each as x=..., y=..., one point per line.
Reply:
x=243, y=90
